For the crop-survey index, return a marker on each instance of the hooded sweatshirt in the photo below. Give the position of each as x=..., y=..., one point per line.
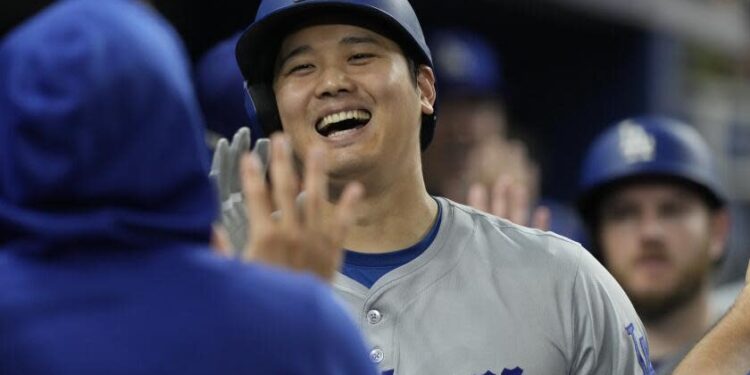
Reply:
x=106, y=212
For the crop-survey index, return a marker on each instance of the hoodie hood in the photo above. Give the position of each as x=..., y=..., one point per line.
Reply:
x=101, y=140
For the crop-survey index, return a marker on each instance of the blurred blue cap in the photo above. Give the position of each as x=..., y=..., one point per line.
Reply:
x=466, y=63
x=221, y=91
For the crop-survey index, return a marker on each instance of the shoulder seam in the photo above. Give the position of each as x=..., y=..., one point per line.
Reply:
x=573, y=306
x=501, y=224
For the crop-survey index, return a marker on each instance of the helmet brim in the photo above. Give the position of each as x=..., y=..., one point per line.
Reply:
x=257, y=47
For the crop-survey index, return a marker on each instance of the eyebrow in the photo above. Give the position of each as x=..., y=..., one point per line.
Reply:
x=297, y=51
x=348, y=40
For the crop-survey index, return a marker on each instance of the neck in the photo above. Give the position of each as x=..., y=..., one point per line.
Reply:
x=395, y=213
x=670, y=334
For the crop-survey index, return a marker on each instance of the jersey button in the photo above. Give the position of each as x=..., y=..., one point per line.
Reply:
x=374, y=316
x=377, y=355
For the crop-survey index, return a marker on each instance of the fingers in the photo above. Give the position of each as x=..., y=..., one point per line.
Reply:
x=478, y=197
x=240, y=144
x=332, y=237
x=518, y=210
x=257, y=200
x=220, y=149
x=284, y=180
x=344, y=213
x=220, y=241
x=541, y=218
x=299, y=243
x=261, y=149
x=241, y=140
x=501, y=199
x=316, y=187
x=220, y=169
x=509, y=200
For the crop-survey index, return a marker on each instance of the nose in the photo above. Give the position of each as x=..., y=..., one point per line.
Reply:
x=651, y=226
x=333, y=82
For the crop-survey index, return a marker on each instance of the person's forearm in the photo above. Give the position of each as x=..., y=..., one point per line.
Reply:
x=725, y=350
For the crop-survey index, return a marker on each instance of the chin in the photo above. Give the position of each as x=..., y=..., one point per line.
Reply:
x=655, y=304
x=347, y=169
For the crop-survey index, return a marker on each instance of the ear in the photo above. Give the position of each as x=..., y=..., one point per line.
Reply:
x=720, y=224
x=427, y=92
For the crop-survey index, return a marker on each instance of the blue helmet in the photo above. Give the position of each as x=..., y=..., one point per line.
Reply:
x=466, y=64
x=259, y=43
x=649, y=146
x=219, y=85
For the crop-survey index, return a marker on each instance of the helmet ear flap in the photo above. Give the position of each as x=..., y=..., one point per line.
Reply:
x=261, y=107
x=427, y=131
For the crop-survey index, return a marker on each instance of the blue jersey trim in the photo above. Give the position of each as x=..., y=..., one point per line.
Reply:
x=369, y=268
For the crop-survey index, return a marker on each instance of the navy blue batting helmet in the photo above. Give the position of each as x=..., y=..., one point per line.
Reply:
x=219, y=85
x=646, y=147
x=257, y=47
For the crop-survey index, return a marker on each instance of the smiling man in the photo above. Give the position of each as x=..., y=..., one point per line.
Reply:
x=438, y=288
x=655, y=209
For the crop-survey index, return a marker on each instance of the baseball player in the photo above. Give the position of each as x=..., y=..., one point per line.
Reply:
x=437, y=287
x=105, y=215
x=655, y=207
x=473, y=156
x=473, y=146
x=219, y=93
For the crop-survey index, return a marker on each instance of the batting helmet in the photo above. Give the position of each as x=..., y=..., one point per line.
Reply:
x=466, y=64
x=257, y=47
x=649, y=146
x=219, y=86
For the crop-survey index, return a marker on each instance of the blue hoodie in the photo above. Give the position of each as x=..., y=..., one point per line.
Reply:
x=105, y=216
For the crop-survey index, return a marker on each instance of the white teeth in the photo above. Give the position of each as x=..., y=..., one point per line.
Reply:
x=342, y=116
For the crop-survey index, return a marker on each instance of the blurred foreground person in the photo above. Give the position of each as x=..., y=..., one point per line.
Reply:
x=657, y=217
x=106, y=212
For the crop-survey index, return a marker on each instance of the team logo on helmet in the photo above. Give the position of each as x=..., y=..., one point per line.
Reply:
x=636, y=144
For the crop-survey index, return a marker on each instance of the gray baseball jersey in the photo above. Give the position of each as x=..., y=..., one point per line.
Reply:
x=491, y=297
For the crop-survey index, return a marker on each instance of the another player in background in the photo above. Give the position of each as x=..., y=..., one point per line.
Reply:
x=106, y=212
x=436, y=286
x=218, y=83
x=221, y=94
x=655, y=208
x=475, y=158
x=473, y=146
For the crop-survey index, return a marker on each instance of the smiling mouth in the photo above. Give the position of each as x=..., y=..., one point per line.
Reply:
x=343, y=121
